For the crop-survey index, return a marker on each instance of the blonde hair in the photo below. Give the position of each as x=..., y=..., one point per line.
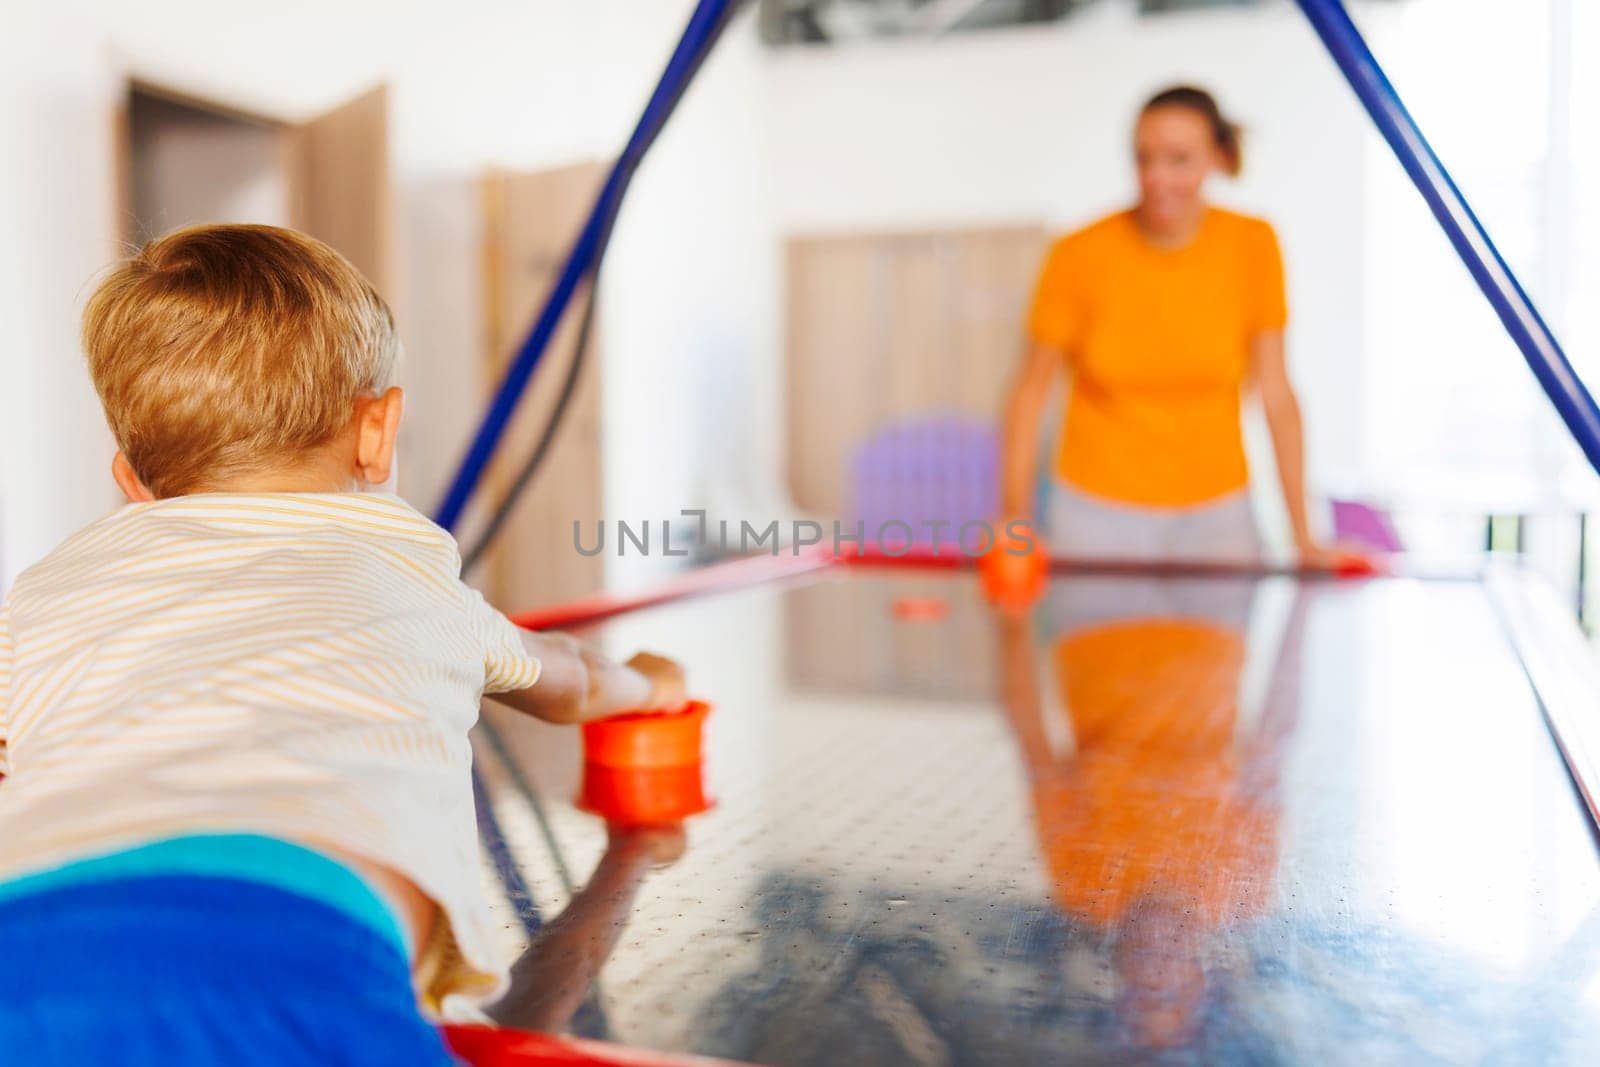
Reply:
x=223, y=350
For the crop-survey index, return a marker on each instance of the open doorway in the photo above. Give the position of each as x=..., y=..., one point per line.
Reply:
x=189, y=160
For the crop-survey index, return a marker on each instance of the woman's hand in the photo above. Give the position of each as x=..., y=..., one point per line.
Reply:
x=1337, y=559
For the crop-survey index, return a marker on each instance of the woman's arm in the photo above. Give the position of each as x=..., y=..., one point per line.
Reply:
x=1019, y=691
x=1271, y=373
x=577, y=684
x=1020, y=428
x=1269, y=368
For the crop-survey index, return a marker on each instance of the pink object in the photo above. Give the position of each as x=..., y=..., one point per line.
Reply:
x=1361, y=524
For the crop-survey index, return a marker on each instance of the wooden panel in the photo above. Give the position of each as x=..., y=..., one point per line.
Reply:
x=835, y=319
x=868, y=651
x=339, y=182
x=997, y=275
x=885, y=327
x=918, y=356
x=531, y=220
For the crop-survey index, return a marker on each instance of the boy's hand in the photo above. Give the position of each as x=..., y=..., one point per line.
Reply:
x=578, y=684
x=667, y=688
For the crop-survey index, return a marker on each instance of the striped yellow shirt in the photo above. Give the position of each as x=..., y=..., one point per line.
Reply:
x=302, y=665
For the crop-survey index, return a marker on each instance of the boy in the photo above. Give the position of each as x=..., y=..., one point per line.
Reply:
x=238, y=825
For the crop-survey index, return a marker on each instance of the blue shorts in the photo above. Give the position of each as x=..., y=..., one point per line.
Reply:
x=139, y=967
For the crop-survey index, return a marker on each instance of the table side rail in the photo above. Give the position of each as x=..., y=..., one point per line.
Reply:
x=1561, y=665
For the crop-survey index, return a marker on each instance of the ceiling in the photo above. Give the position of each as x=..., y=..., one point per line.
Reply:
x=820, y=22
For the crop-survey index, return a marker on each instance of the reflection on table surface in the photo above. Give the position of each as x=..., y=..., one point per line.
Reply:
x=1179, y=820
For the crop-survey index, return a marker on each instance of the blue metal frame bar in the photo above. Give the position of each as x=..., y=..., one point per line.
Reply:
x=518, y=894
x=705, y=25
x=1488, y=268
x=697, y=35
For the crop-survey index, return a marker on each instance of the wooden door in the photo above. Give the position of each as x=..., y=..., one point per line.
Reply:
x=530, y=222
x=890, y=326
x=222, y=163
x=339, y=183
x=183, y=160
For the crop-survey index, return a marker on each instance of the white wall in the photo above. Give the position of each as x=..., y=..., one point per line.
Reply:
x=1034, y=123
x=991, y=127
x=692, y=316
x=1457, y=395
x=687, y=315
x=56, y=230
x=519, y=83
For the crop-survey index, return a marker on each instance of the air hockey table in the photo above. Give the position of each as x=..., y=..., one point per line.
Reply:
x=1163, y=815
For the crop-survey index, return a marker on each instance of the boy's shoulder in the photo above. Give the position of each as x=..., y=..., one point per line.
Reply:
x=185, y=536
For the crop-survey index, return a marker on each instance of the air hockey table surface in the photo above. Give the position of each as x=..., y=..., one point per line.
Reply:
x=1160, y=817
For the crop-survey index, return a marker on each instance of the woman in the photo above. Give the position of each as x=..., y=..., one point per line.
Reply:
x=1154, y=785
x=1161, y=315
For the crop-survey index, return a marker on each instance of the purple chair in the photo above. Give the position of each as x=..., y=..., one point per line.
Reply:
x=945, y=469
x=941, y=469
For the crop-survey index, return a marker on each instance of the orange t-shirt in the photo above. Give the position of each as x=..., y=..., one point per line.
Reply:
x=1158, y=343
x=1158, y=801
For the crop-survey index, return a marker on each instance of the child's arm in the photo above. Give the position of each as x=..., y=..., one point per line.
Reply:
x=556, y=971
x=577, y=684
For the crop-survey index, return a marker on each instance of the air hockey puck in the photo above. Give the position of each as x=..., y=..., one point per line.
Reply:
x=647, y=738
x=643, y=796
x=920, y=608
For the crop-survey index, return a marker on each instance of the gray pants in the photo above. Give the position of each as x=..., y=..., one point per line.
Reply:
x=1223, y=530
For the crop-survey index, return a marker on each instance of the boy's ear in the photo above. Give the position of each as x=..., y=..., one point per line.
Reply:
x=132, y=488
x=377, y=427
